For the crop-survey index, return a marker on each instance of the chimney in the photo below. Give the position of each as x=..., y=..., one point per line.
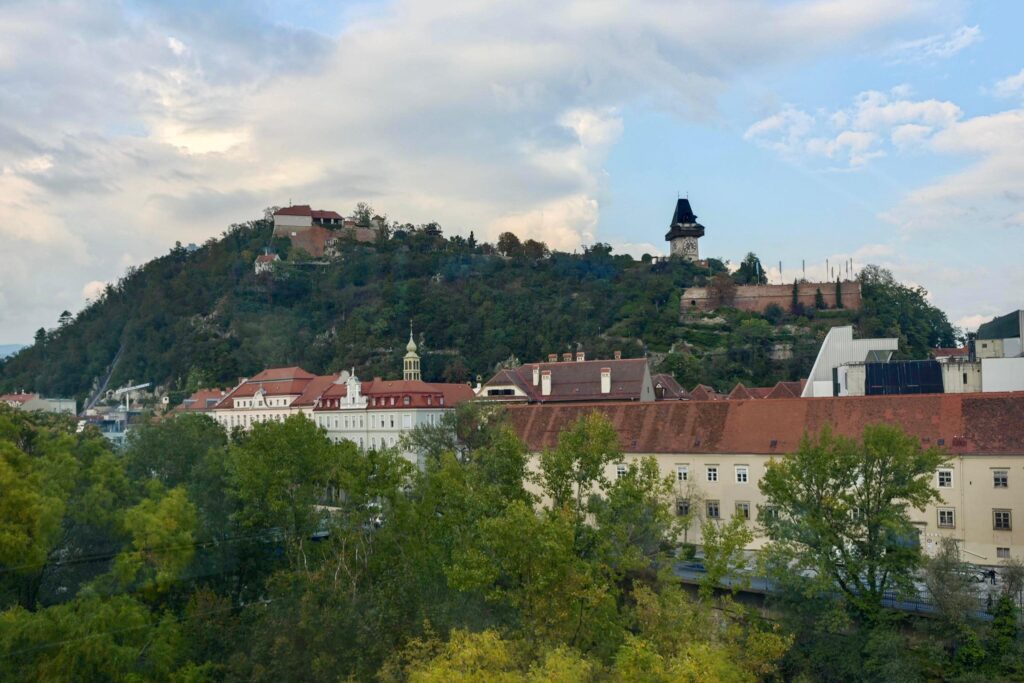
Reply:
x=567, y=357
x=580, y=356
x=618, y=355
x=552, y=357
x=606, y=380
x=536, y=375
x=545, y=383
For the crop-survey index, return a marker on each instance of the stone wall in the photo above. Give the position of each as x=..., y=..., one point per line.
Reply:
x=758, y=297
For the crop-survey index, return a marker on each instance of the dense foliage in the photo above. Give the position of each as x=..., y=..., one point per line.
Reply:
x=204, y=318
x=277, y=555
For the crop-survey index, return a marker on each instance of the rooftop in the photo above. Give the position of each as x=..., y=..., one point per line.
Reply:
x=958, y=423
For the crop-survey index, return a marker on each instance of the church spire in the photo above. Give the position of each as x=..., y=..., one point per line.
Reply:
x=411, y=363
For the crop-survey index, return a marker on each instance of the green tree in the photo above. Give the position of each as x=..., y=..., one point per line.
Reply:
x=162, y=529
x=838, y=510
x=819, y=300
x=839, y=293
x=279, y=471
x=509, y=245
x=750, y=271
x=724, y=555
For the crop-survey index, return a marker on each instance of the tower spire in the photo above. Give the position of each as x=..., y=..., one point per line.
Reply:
x=411, y=363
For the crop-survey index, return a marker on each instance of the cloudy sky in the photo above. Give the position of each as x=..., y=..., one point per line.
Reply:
x=886, y=131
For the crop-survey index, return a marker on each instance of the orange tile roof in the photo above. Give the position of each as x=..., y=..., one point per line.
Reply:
x=787, y=389
x=200, y=401
x=959, y=423
x=702, y=392
x=17, y=398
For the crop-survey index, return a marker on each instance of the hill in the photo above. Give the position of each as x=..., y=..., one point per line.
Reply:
x=204, y=318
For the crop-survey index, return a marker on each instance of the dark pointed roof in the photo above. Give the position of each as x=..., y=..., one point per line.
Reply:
x=683, y=214
x=684, y=222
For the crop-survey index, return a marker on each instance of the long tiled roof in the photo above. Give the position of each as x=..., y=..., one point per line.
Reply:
x=959, y=423
x=577, y=380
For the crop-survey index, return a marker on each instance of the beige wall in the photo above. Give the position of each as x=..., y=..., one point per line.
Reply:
x=972, y=497
x=954, y=372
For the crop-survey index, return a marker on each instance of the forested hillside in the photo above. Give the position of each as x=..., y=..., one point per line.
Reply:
x=203, y=318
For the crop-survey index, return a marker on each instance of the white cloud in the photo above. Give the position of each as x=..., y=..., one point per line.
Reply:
x=854, y=135
x=1011, y=86
x=936, y=47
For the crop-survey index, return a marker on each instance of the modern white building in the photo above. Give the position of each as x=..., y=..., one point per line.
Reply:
x=839, y=349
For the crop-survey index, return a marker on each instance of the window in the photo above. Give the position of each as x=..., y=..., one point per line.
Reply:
x=406, y=400
x=682, y=507
x=743, y=510
x=620, y=471
x=712, y=473
x=1000, y=478
x=768, y=512
x=965, y=378
x=945, y=479
x=712, y=509
x=1003, y=553
x=682, y=472
x=392, y=421
x=1001, y=520
x=742, y=475
x=406, y=421
x=947, y=518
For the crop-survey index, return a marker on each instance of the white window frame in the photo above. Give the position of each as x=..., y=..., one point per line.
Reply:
x=620, y=470
x=718, y=508
x=1009, y=519
x=945, y=471
x=711, y=473
x=1005, y=477
x=682, y=473
x=744, y=471
x=951, y=512
x=742, y=508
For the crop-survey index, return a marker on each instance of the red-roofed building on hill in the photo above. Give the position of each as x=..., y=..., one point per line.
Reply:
x=317, y=232
x=717, y=451
x=373, y=414
x=573, y=379
x=291, y=219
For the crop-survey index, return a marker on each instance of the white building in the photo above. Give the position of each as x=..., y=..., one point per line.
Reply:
x=372, y=415
x=291, y=220
x=376, y=414
x=839, y=349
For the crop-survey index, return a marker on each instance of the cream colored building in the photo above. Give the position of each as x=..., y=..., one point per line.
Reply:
x=717, y=451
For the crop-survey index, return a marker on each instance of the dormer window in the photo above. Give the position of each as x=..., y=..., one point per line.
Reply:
x=430, y=400
x=406, y=400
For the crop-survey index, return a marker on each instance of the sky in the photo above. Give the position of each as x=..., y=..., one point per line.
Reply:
x=811, y=131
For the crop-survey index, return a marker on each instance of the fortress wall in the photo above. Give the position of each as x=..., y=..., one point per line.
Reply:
x=756, y=298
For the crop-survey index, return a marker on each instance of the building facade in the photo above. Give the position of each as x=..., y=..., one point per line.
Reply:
x=717, y=452
x=372, y=415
